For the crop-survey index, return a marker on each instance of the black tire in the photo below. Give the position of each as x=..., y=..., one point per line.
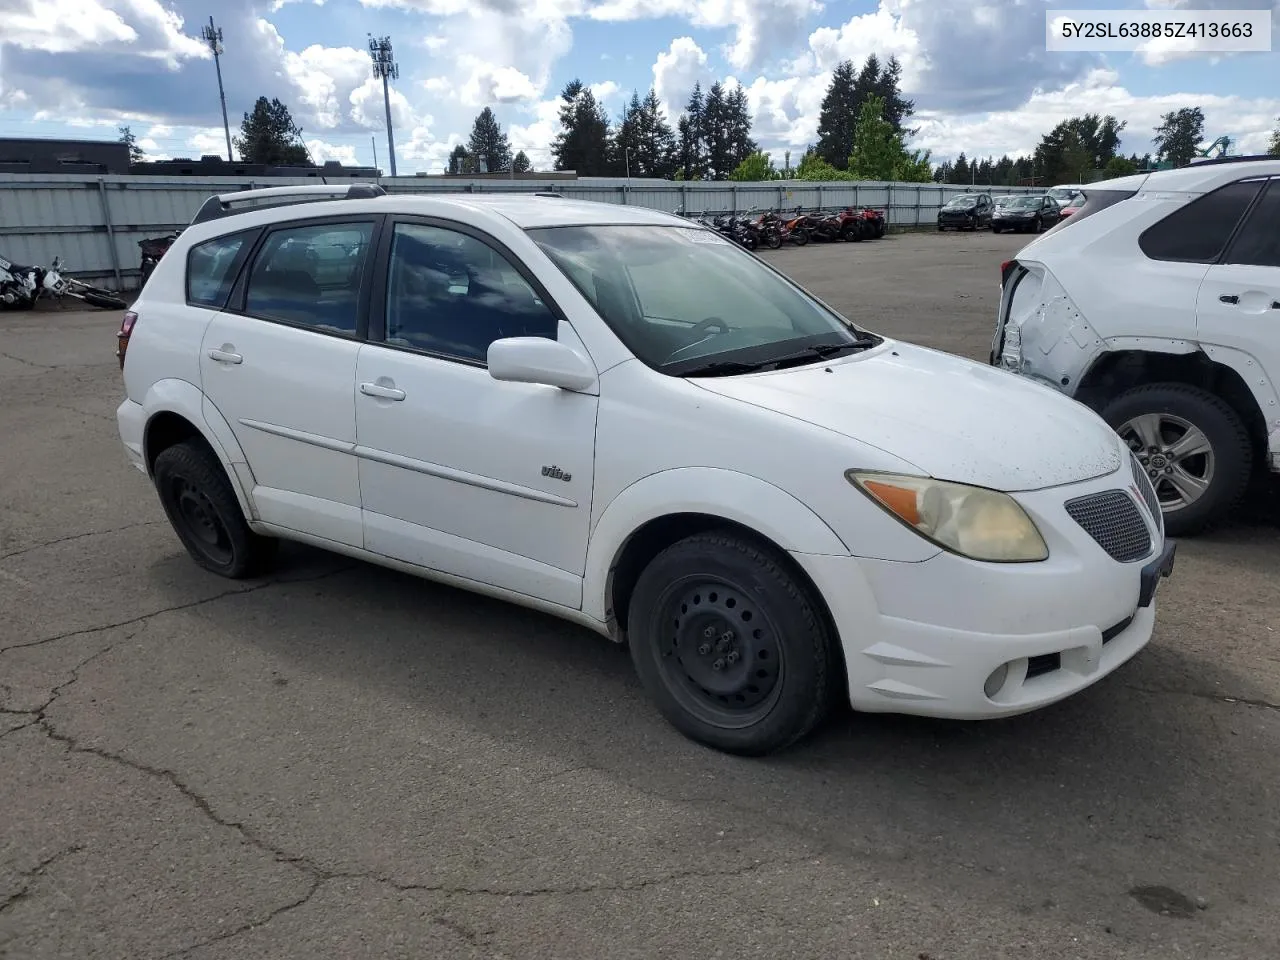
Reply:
x=800, y=237
x=851, y=233
x=773, y=240
x=203, y=510
x=1229, y=462
x=103, y=300
x=784, y=680
x=995, y=229
x=1037, y=225
x=941, y=228
x=881, y=230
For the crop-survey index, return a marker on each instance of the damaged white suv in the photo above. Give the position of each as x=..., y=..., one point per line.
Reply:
x=1158, y=305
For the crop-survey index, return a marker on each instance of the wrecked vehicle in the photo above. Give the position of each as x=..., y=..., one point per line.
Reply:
x=1158, y=305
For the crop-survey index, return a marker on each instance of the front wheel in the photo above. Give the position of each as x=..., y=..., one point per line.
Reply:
x=103, y=300
x=773, y=241
x=730, y=645
x=1194, y=447
x=799, y=237
x=995, y=229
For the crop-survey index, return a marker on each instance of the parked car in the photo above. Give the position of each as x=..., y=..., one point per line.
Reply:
x=1073, y=206
x=623, y=419
x=1064, y=193
x=1031, y=212
x=970, y=211
x=1159, y=308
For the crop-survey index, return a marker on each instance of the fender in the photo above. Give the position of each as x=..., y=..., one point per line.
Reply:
x=743, y=499
x=1266, y=392
x=188, y=401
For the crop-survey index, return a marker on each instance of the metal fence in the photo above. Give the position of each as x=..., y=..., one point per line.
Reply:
x=95, y=223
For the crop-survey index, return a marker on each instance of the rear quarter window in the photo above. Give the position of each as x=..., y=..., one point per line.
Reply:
x=212, y=267
x=1201, y=230
x=1095, y=201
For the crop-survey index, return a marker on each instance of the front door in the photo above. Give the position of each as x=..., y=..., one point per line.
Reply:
x=279, y=364
x=459, y=472
x=1239, y=302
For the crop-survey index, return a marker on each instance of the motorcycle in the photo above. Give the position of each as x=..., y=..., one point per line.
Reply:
x=854, y=228
x=825, y=227
x=152, y=250
x=22, y=286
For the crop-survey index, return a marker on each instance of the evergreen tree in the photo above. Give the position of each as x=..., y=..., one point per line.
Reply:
x=738, y=123
x=128, y=139
x=582, y=145
x=624, y=145
x=460, y=161
x=269, y=135
x=716, y=133
x=488, y=144
x=657, y=142
x=897, y=109
x=879, y=152
x=960, y=170
x=1273, y=147
x=693, y=152
x=521, y=164
x=1179, y=134
x=755, y=168
x=838, y=114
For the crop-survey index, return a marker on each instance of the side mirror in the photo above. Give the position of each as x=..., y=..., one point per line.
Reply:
x=542, y=361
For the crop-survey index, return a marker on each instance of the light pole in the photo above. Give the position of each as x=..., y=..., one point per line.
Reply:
x=212, y=37
x=384, y=66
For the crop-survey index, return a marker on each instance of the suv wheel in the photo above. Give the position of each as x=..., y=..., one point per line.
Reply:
x=1194, y=447
x=730, y=646
x=202, y=507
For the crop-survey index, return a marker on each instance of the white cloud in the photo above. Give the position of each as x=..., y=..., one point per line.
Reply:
x=322, y=152
x=152, y=31
x=488, y=84
x=535, y=138
x=676, y=70
x=327, y=78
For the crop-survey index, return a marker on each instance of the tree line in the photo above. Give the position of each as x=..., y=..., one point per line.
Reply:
x=862, y=135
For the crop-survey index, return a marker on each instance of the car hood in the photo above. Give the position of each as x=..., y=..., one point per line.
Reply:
x=952, y=418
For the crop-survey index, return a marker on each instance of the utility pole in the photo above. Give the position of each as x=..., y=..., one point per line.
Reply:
x=384, y=66
x=212, y=37
x=374, y=141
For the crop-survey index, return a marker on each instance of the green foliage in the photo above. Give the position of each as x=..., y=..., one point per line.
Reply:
x=714, y=134
x=583, y=142
x=269, y=135
x=1273, y=148
x=135, y=152
x=813, y=167
x=757, y=167
x=521, y=164
x=488, y=144
x=846, y=96
x=461, y=161
x=1179, y=134
x=643, y=144
x=1119, y=167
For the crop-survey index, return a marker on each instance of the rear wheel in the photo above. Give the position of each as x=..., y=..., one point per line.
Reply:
x=204, y=512
x=773, y=240
x=851, y=233
x=1194, y=447
x=730, y=645
x=995, y=229
x=103, y=300
x=800, y=237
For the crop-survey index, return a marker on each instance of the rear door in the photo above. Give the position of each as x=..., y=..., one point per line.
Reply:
x=1239, y=301
x=279, y=365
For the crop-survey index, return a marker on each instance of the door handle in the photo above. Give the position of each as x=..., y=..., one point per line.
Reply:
x=381, y=392
x=1229, y=298
x=225, y=356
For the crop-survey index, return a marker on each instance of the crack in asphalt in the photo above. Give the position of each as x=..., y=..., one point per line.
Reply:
x=28, y=363
x=77, y=536
x=1205, y=695
x=236, y=591
x=27, y=876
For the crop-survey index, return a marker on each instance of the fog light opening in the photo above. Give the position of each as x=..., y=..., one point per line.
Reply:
x=995, y=682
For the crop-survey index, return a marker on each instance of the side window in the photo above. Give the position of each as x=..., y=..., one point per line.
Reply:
x=1198, y=232
x=453, y=295
x=212, y=267
x=310, y=276
x=1258, y=243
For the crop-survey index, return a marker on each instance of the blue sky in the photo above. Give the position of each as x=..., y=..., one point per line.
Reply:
x=982, y=80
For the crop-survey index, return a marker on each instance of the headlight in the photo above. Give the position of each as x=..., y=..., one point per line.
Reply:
x=974, y=522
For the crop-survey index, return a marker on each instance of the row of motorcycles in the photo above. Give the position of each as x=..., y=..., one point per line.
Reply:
x=21, y=286
x=773, y=228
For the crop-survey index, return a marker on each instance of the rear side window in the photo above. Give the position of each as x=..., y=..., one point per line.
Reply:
x=1198, y=232
x=1095, y=201
x=212, y=267
x=310, y=276
x=1258, y=243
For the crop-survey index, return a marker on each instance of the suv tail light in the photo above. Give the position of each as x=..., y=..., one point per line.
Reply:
x=122, y=337
x=1007, y=268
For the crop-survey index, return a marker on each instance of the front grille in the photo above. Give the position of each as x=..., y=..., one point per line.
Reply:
x=1148, y=493
x=1115, y=522
x=1045, y=663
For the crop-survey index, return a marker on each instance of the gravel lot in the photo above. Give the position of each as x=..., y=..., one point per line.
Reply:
x=345, y=762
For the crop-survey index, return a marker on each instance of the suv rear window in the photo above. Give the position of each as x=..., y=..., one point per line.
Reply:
x=1199, y=232
x=212, y=267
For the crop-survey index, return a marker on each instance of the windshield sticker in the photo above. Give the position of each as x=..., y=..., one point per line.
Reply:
x=700, y=236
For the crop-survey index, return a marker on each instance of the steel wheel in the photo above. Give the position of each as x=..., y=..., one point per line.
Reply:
x=201, y=520
x=1176, y=454
x=723, y=662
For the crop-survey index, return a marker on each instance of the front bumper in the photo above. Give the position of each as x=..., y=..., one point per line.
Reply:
x=924, y=638
x=1012, y=223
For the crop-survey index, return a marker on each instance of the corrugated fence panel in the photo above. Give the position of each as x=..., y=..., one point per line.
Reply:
x=95, y=223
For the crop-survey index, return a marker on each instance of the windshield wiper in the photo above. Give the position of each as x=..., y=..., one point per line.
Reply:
x=724, y=368
x=818, y=352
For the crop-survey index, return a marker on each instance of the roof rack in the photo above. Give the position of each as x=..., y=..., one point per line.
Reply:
x=1214, y=161
x=220, y=206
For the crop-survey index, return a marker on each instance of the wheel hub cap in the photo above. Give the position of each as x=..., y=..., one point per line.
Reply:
x=1176, y=455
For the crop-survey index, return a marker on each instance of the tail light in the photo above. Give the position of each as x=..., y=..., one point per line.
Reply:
x=122, y=337
x=1006, y=269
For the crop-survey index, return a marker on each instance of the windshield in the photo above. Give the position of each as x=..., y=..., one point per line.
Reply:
x=959, y=203
x=688, y=302
x=1024, y=203
x=1063, y=194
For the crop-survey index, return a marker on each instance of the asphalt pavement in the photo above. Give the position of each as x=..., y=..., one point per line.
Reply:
x=340, y=761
